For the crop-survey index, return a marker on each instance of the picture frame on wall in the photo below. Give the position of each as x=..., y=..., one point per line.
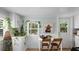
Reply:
x=63, y=27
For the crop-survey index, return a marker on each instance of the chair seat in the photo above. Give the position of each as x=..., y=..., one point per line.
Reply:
x=45, y=44
x=55, y=43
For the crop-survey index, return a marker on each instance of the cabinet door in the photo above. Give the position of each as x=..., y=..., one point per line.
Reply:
x=15, y=42
x=76, y=41
x=18, y=44
x=33, y=42
x=76, y=21
x=22, y=43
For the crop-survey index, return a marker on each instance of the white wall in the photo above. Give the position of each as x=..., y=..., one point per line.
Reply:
x=67, y=37
x=16, y=20
x=3, y=13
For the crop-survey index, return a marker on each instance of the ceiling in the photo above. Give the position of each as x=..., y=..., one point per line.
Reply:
x=42, y=11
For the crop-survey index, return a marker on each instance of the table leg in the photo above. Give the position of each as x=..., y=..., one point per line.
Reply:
x=61, y=46
x=39, y=45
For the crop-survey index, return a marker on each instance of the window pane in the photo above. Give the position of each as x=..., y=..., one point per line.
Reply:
x=33, y=31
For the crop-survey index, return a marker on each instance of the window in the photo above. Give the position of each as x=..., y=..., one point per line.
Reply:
x=1, y=27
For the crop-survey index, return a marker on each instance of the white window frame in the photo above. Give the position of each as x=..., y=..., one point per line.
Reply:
x=28, y=28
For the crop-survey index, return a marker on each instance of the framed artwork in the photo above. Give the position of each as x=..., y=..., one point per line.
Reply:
x=63, y=27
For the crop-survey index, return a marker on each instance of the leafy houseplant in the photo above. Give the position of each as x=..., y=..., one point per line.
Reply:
x=15, y=32
x=8, y=22
x=22, y=33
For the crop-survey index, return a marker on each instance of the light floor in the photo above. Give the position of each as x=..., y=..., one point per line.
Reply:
x=33, y=49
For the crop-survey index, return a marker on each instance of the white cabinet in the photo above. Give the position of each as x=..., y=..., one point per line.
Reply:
x=33, y=42
x=32, y=30
x=33, y=34
x=1, y=43
x=18, y=43
x=76, y=41
x=76, y=21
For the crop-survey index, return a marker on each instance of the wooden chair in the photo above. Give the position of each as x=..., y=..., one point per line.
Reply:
x=56, y=44
x=46, y=43
x=7, y=42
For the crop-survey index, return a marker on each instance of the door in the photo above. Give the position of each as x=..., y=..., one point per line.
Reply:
x=65, y=31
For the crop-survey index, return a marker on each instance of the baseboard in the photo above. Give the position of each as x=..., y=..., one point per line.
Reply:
x=37, y=49
x=32, y=49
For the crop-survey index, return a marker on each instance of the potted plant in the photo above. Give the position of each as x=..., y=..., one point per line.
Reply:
x=22, y=33
x=15, y=32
